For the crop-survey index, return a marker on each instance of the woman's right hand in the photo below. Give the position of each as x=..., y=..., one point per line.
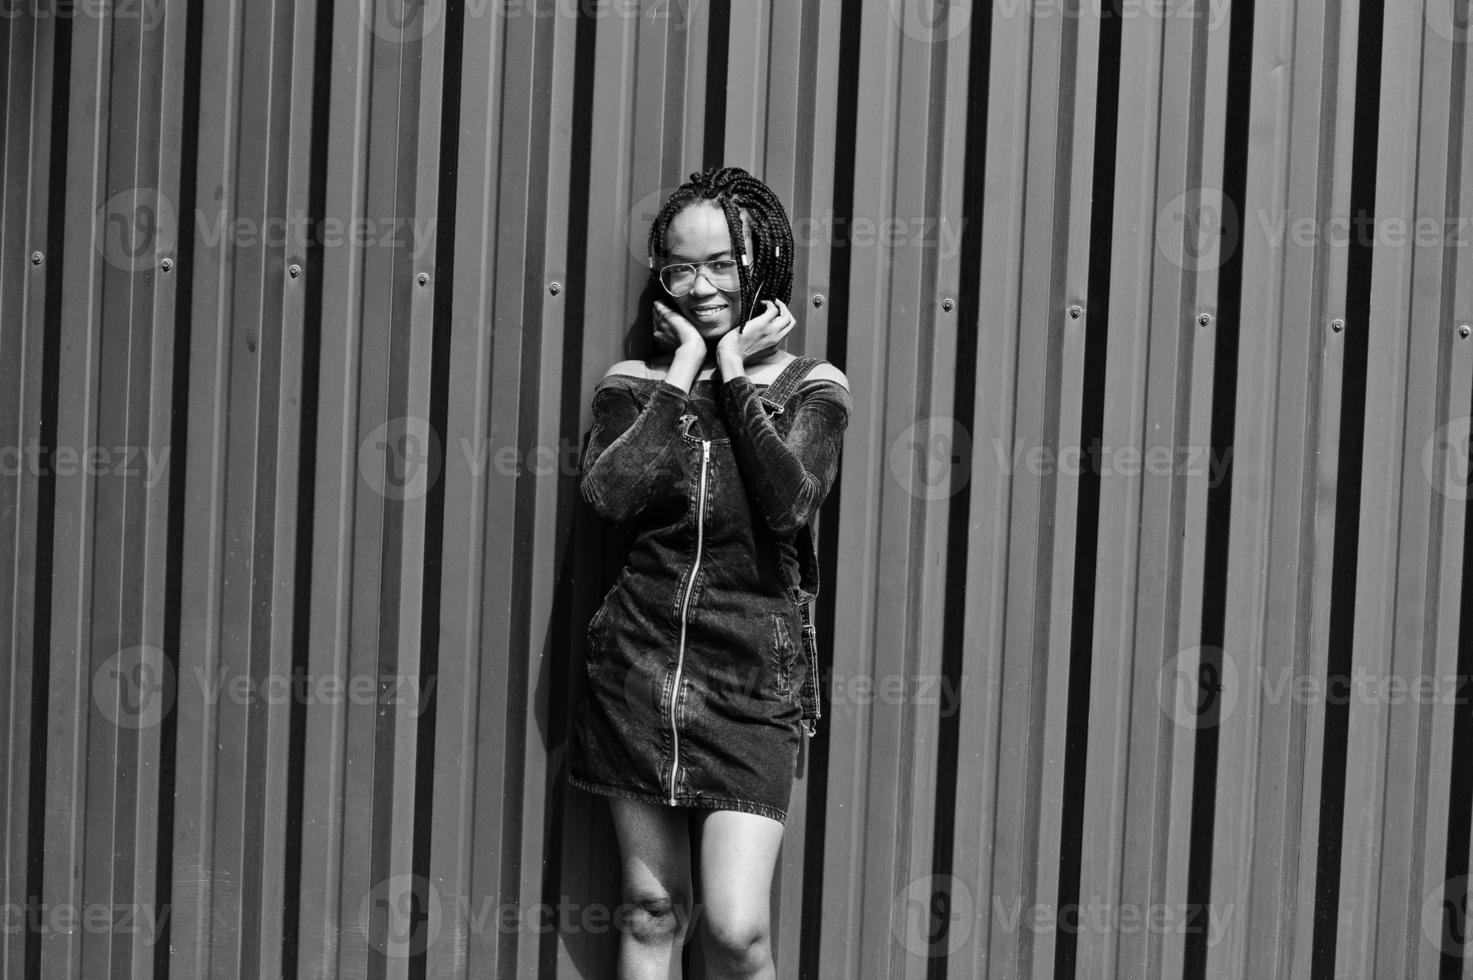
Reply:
x=674, y=332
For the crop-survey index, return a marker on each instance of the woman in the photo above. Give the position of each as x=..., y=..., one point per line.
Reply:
x=701, y=669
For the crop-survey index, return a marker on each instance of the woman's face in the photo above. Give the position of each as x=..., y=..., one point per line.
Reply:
x=698, y=233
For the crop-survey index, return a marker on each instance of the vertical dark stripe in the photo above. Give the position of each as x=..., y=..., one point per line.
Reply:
x=1348, y=483
x=969, y=316
x=1219, y=497
x=429, y=648
x=179, y=439
x=1460, y=793
x=1087, y=523
x=713, y=151
x=564, y=670
x=306, y=484
x=46, y=482
x=817, y=749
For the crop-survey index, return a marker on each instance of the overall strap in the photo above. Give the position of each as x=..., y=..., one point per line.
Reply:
x=776, y=396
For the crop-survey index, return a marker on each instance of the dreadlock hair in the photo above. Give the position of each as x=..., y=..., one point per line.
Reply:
x=734, y=190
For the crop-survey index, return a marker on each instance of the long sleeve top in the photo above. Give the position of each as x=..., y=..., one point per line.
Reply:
x=636, y=432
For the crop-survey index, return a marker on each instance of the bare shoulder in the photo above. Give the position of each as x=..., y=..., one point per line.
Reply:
x=824, y=371
x=634, y=369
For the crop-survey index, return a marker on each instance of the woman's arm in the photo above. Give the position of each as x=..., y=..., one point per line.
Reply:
x=627, y=445
x=788, y=479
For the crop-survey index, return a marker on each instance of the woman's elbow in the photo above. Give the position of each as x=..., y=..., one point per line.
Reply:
x=612, y=506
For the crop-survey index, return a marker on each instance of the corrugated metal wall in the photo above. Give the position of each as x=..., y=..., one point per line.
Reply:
x=1147, y=602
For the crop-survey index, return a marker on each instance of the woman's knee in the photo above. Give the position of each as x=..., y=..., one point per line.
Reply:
x=738, y=940
x=655, y=916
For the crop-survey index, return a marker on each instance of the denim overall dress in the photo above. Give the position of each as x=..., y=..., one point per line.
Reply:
x=702, y=662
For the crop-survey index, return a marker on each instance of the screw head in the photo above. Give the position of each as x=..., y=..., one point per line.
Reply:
x=423, y=278
x=555, y=288
x=1337, y=324
x=1076, y=311
x=294, y=271
x=817, y=299
x=36, y=258
x=1205, y=319
x=948, y=304
x=167, y=265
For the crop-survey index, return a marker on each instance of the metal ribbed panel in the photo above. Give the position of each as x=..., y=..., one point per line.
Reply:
x=321, y=291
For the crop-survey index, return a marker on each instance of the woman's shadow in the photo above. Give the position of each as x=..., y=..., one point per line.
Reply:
x=580, y=862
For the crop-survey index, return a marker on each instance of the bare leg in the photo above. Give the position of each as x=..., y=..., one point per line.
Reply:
x=738, y=857
x=654, y=849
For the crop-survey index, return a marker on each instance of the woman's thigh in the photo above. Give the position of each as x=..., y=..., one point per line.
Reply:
x=654, y=852
x=738, y=858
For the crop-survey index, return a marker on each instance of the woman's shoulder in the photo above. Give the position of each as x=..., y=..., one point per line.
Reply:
x=628, y=369
x=824, y=371
x=762, y=374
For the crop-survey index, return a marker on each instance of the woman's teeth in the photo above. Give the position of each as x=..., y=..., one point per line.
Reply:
x=707, y=311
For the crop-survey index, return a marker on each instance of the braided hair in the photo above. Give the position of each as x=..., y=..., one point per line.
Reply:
x=734, y=190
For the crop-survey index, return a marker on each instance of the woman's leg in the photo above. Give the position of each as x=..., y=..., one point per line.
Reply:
x=654, y=851
x=738, y=857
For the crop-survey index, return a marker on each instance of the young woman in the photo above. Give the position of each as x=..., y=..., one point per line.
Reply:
x=701, y=665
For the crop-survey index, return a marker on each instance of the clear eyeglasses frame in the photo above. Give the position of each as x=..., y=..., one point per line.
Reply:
x=679, y=278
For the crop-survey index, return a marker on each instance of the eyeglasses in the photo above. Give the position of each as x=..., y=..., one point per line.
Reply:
x=679, y=277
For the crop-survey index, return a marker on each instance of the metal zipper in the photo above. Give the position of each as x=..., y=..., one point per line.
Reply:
x=684, y=611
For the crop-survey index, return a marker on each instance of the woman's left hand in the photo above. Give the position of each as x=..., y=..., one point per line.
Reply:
x=761, y=333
